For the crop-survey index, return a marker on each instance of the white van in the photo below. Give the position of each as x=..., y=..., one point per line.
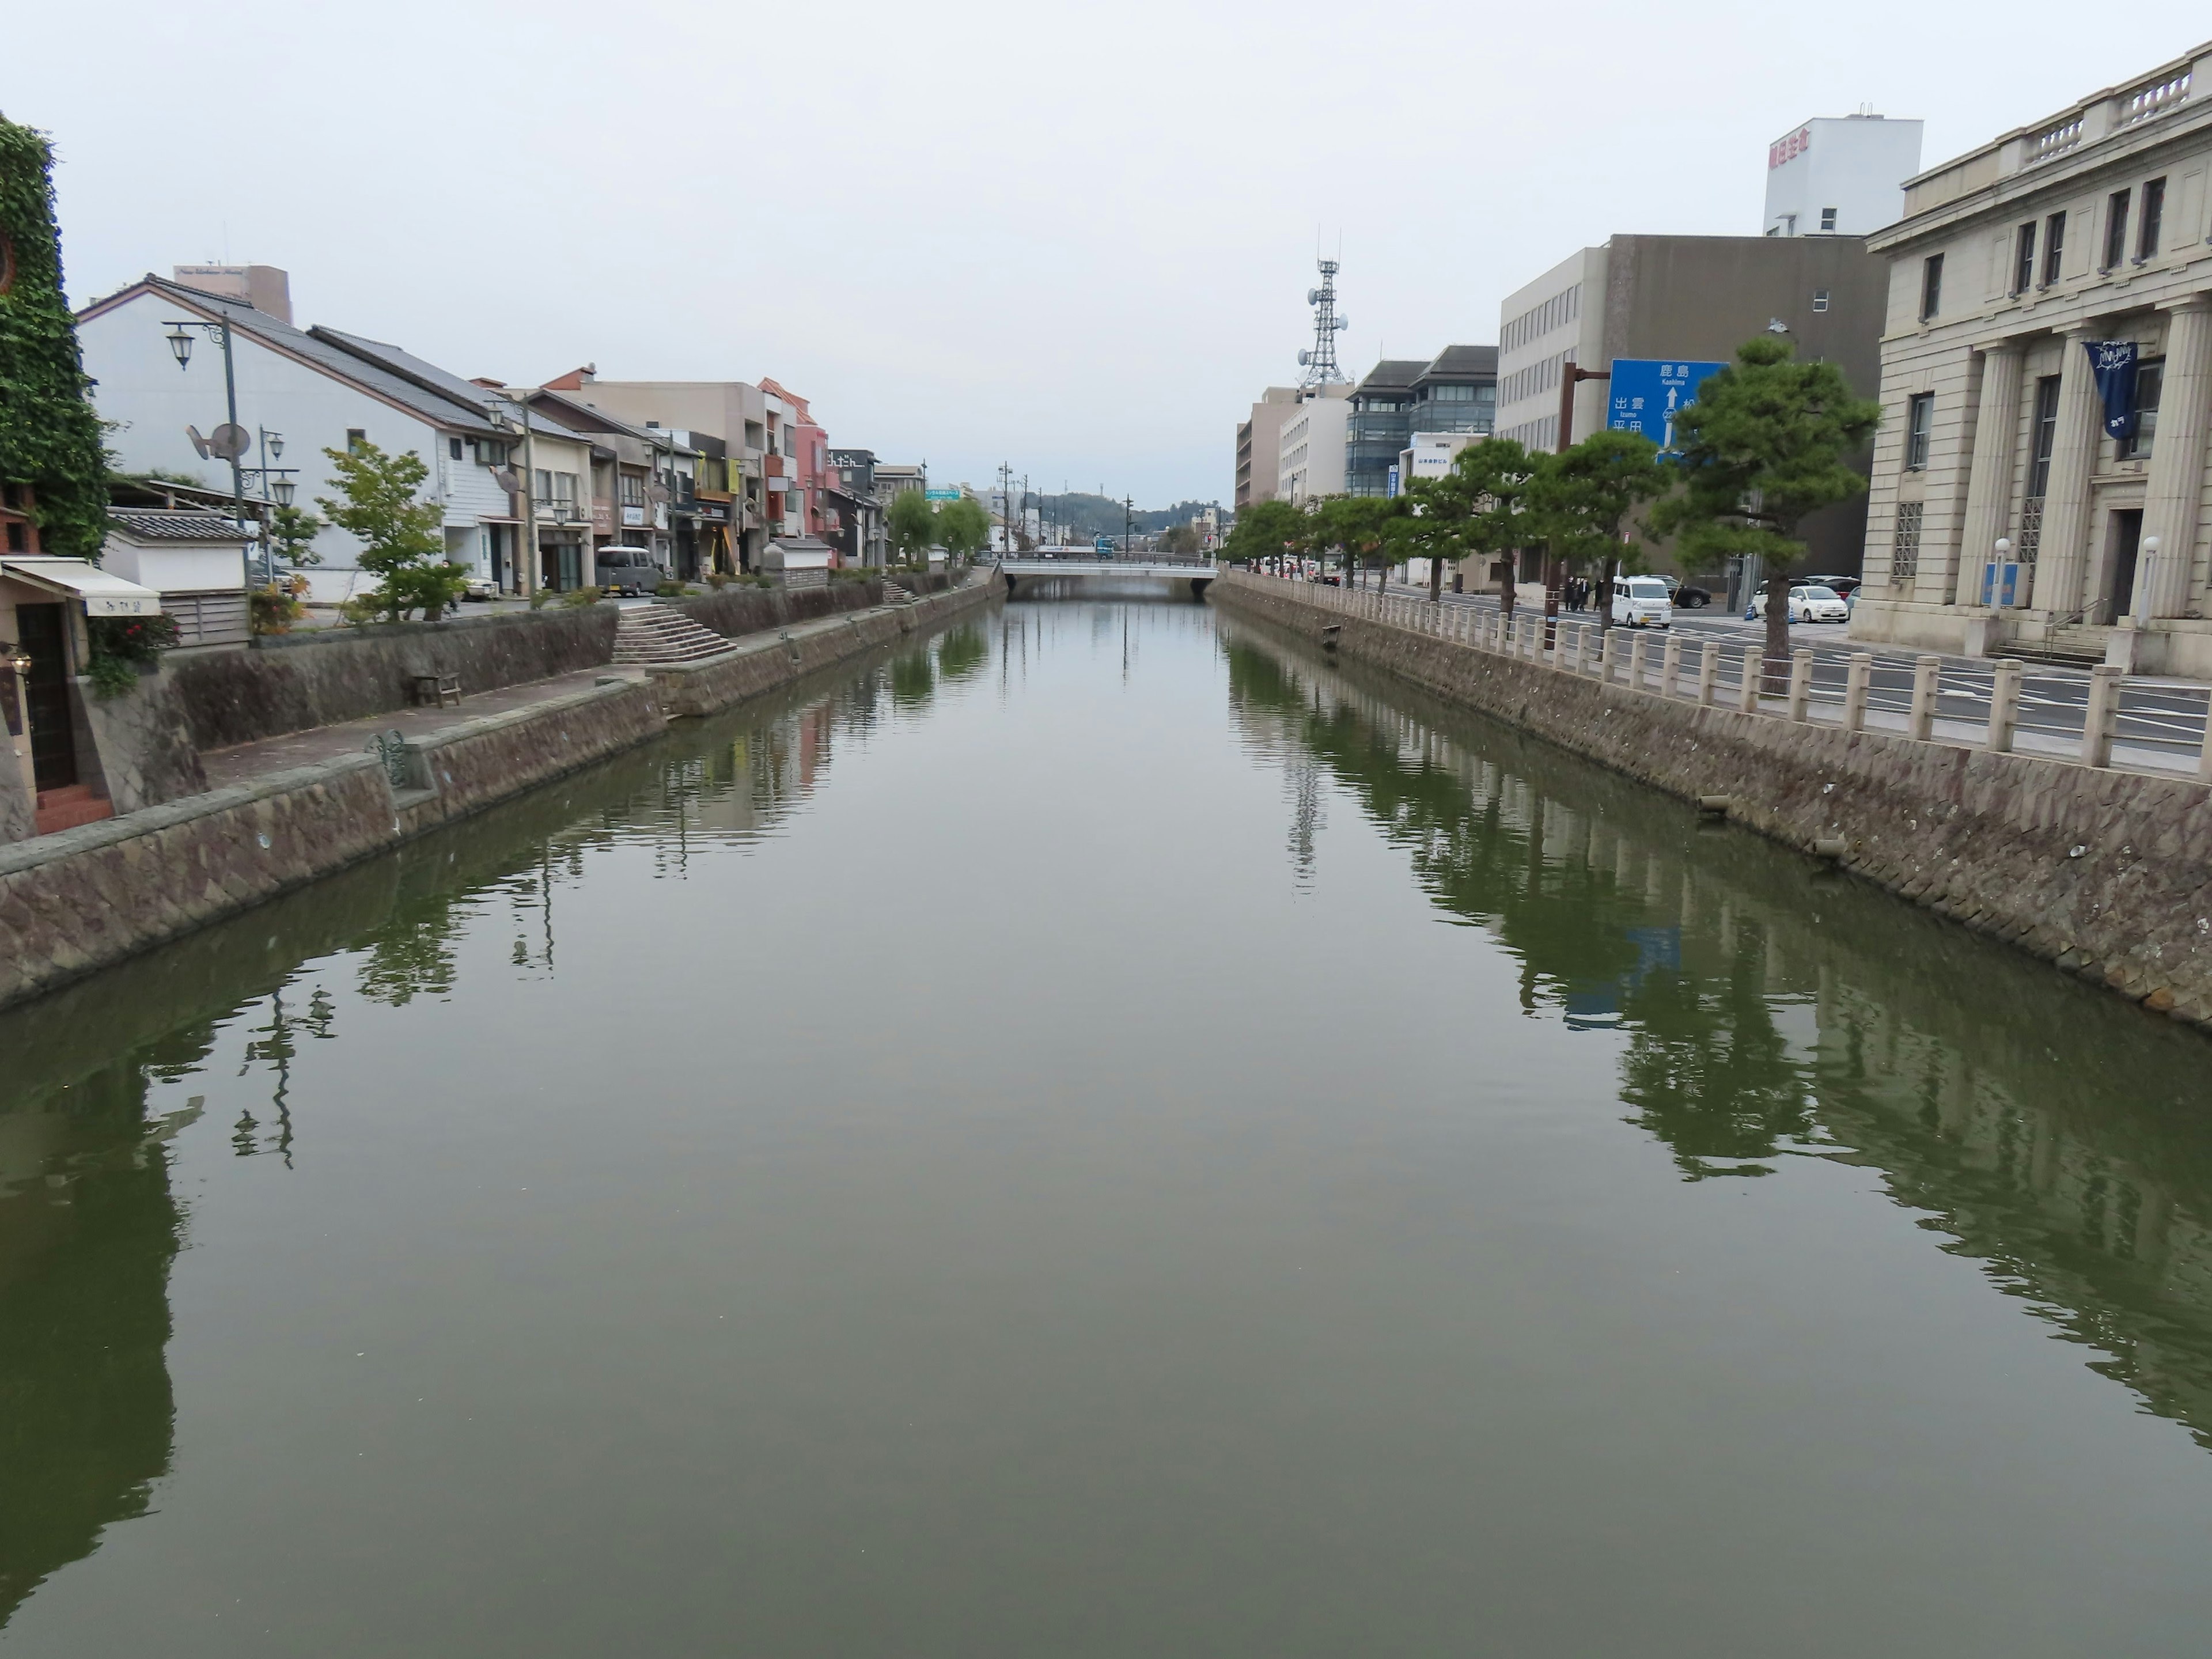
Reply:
x=1641, y=602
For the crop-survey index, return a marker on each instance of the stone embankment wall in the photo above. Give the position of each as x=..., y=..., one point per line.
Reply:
x=2108, y=874
x=74, y=902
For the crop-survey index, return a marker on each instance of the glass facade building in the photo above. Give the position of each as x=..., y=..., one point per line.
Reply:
x=1456, y=391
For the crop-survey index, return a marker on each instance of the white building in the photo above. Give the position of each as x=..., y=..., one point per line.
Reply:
x=1310, y=452
x=1840, y=175
x=1544, y=326
x=316, y=389
x=2068, y=252
x=1429, y=454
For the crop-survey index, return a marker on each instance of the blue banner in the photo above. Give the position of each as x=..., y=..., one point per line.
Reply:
x=2113, y=363
x=1644, y=396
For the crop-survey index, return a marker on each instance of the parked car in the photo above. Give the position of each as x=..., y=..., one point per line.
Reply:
x=1809, y=602
x=481, y=589
x=1640, y=601
x=1842, y=586
x=1688, y=598
x=627, y=570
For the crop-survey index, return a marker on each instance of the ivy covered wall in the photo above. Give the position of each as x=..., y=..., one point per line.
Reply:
x=49, y=436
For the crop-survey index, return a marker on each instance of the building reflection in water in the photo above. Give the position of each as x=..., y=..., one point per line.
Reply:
x=88, y=1223
x=1767, y=1011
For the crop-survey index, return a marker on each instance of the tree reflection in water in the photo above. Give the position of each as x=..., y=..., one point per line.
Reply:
x=1764, y=1010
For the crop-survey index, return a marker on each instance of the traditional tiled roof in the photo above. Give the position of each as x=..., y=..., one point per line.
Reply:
x=183, y=524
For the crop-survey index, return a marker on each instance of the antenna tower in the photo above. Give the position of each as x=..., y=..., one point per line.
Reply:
x=1319, y=361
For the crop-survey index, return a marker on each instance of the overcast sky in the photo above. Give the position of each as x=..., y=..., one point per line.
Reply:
x=1077, y=238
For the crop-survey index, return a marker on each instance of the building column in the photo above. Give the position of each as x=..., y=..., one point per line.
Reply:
x=2177, y=459
x=1989, y=477
x=2061, y=561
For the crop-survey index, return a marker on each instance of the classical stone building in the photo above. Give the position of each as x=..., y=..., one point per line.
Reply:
x=2040, y=483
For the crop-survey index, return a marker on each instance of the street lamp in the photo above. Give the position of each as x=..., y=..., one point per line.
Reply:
x=181, y=342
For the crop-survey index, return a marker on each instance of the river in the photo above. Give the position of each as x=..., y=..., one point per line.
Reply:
x=1100, y=1133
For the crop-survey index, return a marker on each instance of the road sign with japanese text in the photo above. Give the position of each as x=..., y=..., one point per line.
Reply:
x=1644, y=393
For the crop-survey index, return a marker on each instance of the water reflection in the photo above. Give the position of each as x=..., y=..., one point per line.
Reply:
x=88, y=1223
x=1765, y=1011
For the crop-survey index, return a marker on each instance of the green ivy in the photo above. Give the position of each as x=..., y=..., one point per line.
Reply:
x=50, y=438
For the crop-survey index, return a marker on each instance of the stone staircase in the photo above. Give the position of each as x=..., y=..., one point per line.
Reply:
x=67, y=807
x=894, y=594
x=2064, y=648
x=656, y=633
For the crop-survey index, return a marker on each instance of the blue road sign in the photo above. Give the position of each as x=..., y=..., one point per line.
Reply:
x=1643, y=395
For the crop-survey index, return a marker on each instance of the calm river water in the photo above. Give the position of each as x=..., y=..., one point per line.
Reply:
x=1101, y=1135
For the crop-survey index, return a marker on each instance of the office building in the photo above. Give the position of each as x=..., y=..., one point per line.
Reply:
x=1840, y=176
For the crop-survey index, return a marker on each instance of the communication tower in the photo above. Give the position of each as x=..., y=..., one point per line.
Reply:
x=1319, y=360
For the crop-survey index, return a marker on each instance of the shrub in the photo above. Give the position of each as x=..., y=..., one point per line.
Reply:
x=540, y=598
x=577, y=598
x=718, y=581
x=120, y=644
x=669, y=590
x=277, y=607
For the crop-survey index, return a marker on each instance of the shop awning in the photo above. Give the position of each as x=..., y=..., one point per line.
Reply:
x=74, y=578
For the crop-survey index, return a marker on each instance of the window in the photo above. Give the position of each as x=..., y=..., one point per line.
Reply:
x=633, y=490
x=355, y=437
x=453, y=447
x=2153, y=220
x=2116, y=227
x=2044, y=438
x=1931, y=286
x=1905, y=545
x=1819, y=298
x=2054, y=242
x=2023, y=261
x=1827, y=218
x=1919, y=422
x=2150, y=381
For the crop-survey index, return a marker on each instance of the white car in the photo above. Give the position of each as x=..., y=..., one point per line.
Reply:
x=1642, y=602
x=1809, y=603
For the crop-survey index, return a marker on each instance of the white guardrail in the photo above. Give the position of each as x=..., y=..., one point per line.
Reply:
x=2148, y=725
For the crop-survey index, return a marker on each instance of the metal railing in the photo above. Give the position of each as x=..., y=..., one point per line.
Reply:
x=2105, y=719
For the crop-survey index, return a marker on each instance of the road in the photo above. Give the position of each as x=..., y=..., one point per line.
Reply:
x=2164, y=720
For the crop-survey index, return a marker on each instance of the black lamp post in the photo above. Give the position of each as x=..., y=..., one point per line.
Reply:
x=181, y=342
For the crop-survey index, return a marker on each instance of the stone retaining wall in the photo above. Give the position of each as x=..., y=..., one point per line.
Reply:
x=73, y=902
x=2109, y=874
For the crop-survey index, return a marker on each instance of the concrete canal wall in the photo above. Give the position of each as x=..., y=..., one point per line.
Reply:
x=75, y=901
x=2106, y=873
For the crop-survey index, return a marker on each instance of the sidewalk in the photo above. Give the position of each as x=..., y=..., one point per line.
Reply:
x=225, y=767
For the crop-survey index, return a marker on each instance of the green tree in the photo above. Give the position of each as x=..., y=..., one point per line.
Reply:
x=1582, y=497
x=1265, y=530
x=1181, y=541
x=292, y=532
x=1479, y=507
x=1762, y=446
x=1360, y=526
x=399, y=535
x=49, y=439
x=911, y=524
x=963, y=528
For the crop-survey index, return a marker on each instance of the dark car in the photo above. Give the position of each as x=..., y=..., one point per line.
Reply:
x=1688, y=598
x=1842, y=586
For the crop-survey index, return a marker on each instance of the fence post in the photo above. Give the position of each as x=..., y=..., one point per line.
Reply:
x=1582, y=648
x=1670, y=665
x=1801, y=682
x=1636, y=661
x=1608, y=656
x=2102, y=716
x=2204, y=752
x=2004, y=704
x=1709, y=662
x=1921, y=722
x=1855, y=691
x=1751, y=667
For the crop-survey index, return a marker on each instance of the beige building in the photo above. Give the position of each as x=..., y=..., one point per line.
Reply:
x=1309, y=452
x=1259, y=445
x=2067, y=253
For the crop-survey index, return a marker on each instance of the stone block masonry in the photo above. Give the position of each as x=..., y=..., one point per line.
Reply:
x=75, y=901
x=2108, y=874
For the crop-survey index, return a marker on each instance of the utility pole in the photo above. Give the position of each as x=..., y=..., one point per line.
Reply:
x=1571, y=376
x=1128, y=522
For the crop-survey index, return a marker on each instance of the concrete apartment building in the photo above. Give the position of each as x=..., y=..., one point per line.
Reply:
x=1261, y=435
x=1310, y=452
x=2047, y=373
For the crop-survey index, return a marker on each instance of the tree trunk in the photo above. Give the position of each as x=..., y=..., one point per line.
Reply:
x=1605, y=594
x=1511, y=563
x=1436, y=580
x=1774, y=677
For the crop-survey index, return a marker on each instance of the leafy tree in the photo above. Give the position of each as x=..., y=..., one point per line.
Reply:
x=1582, y=497
x=292, y=532
x=1360, y=525
x=1265, y=530
x=1762, y=446
x=911, y=524
x=49, y=439
x=1480, y=507
x=1181, y=541
x=963, y=528
x=399, y=535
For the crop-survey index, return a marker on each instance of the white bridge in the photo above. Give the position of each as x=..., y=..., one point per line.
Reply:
x=1048, y=564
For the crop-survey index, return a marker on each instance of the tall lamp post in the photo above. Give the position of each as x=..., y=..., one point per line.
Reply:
x=181, y=342
x=276, y=490
x=1571, y=376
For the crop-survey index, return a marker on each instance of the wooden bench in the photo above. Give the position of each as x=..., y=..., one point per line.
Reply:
x=436, y=690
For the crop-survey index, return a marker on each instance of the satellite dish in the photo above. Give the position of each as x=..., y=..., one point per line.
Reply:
x=1304, y=357
x=198, y=442
x=1343, y=323
x=507, y=479
x=1313, y=296
x=656, y=492
x=227, y=442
